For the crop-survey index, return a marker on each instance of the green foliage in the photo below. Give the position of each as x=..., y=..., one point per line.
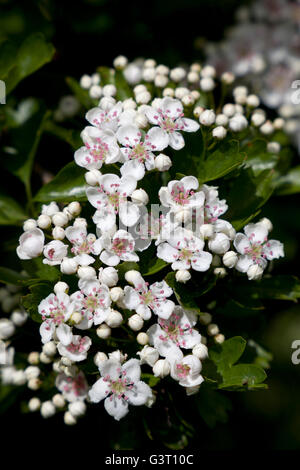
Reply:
x=289, y=183
x=212, y=406
x=9, y=276
x=11, y=213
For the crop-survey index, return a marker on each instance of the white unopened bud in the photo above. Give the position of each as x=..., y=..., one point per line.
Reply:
x=220, y=272
x=77, y=408
x=19, y=377
x=219, y=338
x=253, y=101
x=205, y=318
x=142, y=338
x=143, y=98
x=133, y=276
x=96, y=79
x=196, y=94
x=278, y=123
x=193, y=77
x=29, y=224
x=45, y=359
x=148, y=355
x=198, y=110
x=49, y=349
x=229, y=110
x=34, y=383
x=161, y=368
x=34, y=404
x=132, y=74
x=160, y=81
x=116, y=293
x=207, y=118
x=177, y=74
x=85, y=82
x=69, y=419
x=266, y=223
x=168, y=92
x=58, y=400
x=7, y=328
x=219, y=132
x=240, y=98
x=206, y=231
x=33, y=357
x=181, y=91
x=208, y=71
x=74, y=208
x=129, y=104
x=68, y=266
x=183, y=275
x=257, y=119
x=103, y=331
x=19, y=318
x=213, y=329
x=139, y=89
x=222, y=120
x=188, y=100
x=140, y=120
x=267, y=128
x=75, y=318
x=139, y=196
x=135, y=322
x=44, y=221
x=108, y=276
x=219, y=243
x=114, y=318
x=254, y=272
x=227, y=78
x=100, y=357
x=200, y=351
x=196, y=67
x=58, y=233
x=117, y=356
x=162, y=162
x=273, y=147
x=109, y=90
x=240, y=90
x=32, y=372
x=149, y=74
x=120, y=62
x=238, y=123
x=60, y=219
x=230, y=259
x=61, y=287
x=86, y=272
x=92, y=177
x=207, y=84
x=95, y=92
x=162, y=69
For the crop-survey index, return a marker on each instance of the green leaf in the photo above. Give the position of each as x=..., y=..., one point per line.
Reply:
x=224, y=159
x=31, y=301
x=71, y=136
x=81, y=94
x=212, y=406
x=9, y=276
x=33, y=53
x=241, y=375
x=11, y=213
x=248, y=193
x=40, y=271
x=289, y=183
x=258, y=158
x=281, y=287
x=228, y=353
x=68, y=185
x=154, y=266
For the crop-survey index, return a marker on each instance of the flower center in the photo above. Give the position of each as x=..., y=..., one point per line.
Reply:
x=183, y=370
x=77, y=347
x=97, y=152
x=181, y=195
x=118, y=387
x=139, y=153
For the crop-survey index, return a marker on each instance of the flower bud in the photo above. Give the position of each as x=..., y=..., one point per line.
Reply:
x=60, y=219
x=207, y=118
x=230, y=259
x=103, y=331
x=266, y=223
x=221, y=120
x=34, y=404
x=108, y=276
x=116, y=293
x=200, y=351
x=31, y=244
x=229, y=110
x=29, y=224
x=219, y=338
x=220, y=272
x=278, y=123
x=44, y=221
x=77, y=408
x=206, y=231
x=34, y=383
x=95, y=92
x=68, y=266
x=19, y=377
x=177, y=74
x=132, y=74
x=267, y=128
x=198, y=110
x=117, y=356
x=92, y=177
x=142, y=338
x=160, y=81
x=219, y=243
x=254, y=272
x=162, y=162
x=114, y=318
x=19, y=318
x=58, y=233
x=205, y=318
x=86, y=272
x=129, y=104
x=213, y=329
x=161, y=368
x=135, y=322
x=32, y=372
x=188, y=100
x=257, y=119
x=140, y=120
x=168, y=92
x=61, y=287
x=85, y=82
x=238, y=123
x=273, y=147
x=69, y=419
x=148, y=355
x=133, y=276
x=7, y=328
x=33, y=357
x=207, y=84
x=162, y=69
x=109, y=90
x=139, y=196
x=120, y=62
x=183, y=275
x=47, y=409
x=208, y=71
x=99, y=357
x=193, y=77
x=149, y=74
x=74, y=208
x=49, y=349
x=219, y=132
x=58, y=400
x=45, y=359
x=227, y=78
x=253, y=101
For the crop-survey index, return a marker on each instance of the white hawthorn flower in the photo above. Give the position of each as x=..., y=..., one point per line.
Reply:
x=54, y=252
x=31, y=244
x=186, y=371
x=120, y=247
x=255, y=248
x=105, y=117
x=138, y=153
x=56, y=310
x=182, y=195
x=144, y=299
x=100, y=146
x=83, y=245
x=168, y=336
x=170, y=118
x=111, y=199
x=185, y=251
x=213, y=206
x=76, y=350
x=73, y=388
x=119, y=386
x=92, y=301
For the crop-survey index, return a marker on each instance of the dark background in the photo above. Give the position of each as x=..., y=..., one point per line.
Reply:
x=90, y=33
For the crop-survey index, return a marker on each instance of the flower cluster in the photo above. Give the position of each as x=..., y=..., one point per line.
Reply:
x=180, y=219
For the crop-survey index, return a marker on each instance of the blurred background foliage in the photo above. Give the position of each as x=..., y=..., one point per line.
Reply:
x=89, y=33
